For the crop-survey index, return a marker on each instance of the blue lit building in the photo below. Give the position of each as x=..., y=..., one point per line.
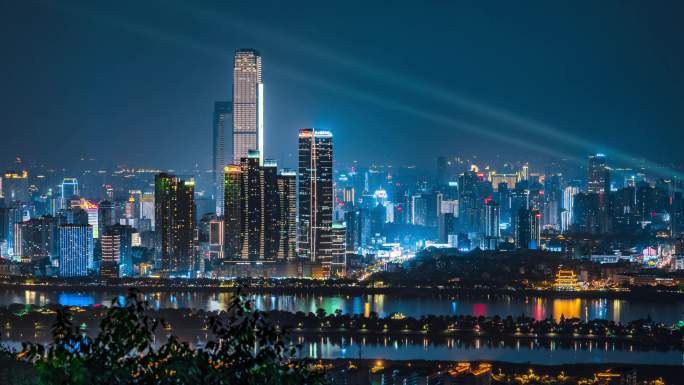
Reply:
x=75, y=250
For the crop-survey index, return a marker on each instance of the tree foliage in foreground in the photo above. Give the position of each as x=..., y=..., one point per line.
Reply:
x=245, y=349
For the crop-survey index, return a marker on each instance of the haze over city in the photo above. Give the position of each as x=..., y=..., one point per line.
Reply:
x=482, y=79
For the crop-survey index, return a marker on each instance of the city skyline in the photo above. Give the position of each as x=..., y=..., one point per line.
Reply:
x=333, y=89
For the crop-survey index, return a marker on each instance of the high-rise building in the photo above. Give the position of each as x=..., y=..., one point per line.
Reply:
x=175, y=223
x=491, y=229
x=287, y=218
x=528, y=229
x=15, y=187
x=232, y=211
x=106, y=215
x=147, y=208
x=216, y=239
x=248, y=105
x=251, y=235
x=92, y=209
x=69, y=191
x=110, y=245
x=568, y=206
x=35, y=239
x=598, y=178
x=339, y=250
x=222, y=116
x=117, y=252
x=75, y=250
x=315, y=196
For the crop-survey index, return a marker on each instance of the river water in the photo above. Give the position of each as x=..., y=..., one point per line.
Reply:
x=523, y=350
x=618, y=310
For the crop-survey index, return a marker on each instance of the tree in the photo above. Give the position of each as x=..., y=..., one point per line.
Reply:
x=246, y=349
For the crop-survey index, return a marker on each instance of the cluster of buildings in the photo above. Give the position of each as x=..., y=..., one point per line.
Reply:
x=255, y=219
x=608, y=211
x=262, y=220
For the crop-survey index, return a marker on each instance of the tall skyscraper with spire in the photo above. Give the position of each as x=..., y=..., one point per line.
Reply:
x=222, y=116
x=248, y=105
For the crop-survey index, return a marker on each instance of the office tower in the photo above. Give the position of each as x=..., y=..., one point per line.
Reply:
x=287, y=214
x=15, y=187
x=75, y=250
x=106, y=215
x=92, y=210
x=69, y=191
x=248, y=105
x=147, y=207
x=598, y=178
x=232, y=212
x=111, y=255
x=568, y=207
x=251, y=235
x=352, y=230
x=216, y=239
x=270, y=234
x=117, y=251
x=36, y=239
x=175, y=223
x=473, y=190
x=338, y=250
x=9, y=217
x=315, y=196
x=222, y=116
x=446, y=227
x=528, y=229
x=552, y=202
x=535, y=229
x=491, y=225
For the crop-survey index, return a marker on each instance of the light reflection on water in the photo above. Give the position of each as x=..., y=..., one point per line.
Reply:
x=384, y=305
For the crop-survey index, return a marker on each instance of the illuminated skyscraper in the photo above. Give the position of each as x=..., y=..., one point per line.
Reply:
x=491, y=229
x=568, y=207
x=528, y=229
x=117, y=253
x=287, y=214
x=175, y=223
x=315, y=196
x=248, y=105
x=75, y=250
x=111, y=255
x=232, y=211
x=69, y=191
x=598, y=178
x=339, y=252
x=222, y=117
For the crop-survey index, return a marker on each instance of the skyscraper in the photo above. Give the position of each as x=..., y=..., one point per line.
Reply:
x=315, y=196
x=75, y=250
x=248, y=105
x=69, y=190
x=232, y=211
x=117, y=254
x=222, y=116
x=528, y=229
x=491, y=229
x=339, y=252
x=287, y=214
x=598, y=178
x=175, y=223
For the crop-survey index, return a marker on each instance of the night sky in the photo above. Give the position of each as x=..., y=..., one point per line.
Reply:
x=133, y=82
